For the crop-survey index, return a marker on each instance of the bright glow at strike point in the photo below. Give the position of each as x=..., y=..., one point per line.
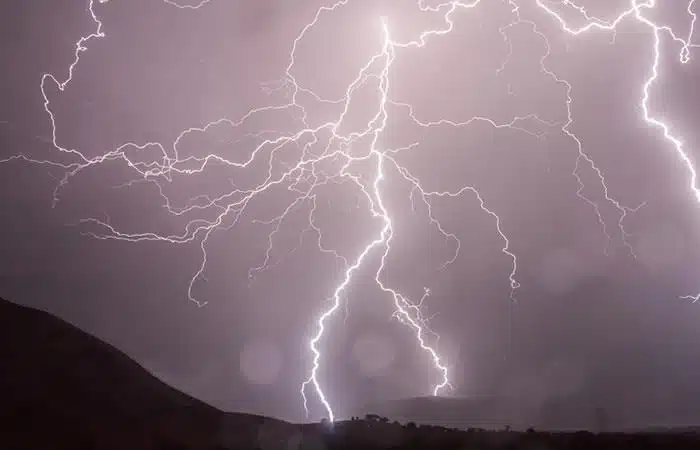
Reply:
x=305, y=177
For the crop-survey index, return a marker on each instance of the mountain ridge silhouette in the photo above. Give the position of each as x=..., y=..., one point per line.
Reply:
x=61, y=387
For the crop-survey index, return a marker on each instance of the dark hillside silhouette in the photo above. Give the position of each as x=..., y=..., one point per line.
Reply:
x=61, y=385
x=62, y=389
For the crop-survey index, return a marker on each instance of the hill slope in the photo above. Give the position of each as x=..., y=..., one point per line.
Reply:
x=61, y=385
x=63, y=389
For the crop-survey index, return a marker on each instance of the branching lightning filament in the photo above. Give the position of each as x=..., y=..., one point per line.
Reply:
x=326, y=143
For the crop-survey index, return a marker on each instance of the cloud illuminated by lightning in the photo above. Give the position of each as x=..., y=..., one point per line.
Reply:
x=326, y=143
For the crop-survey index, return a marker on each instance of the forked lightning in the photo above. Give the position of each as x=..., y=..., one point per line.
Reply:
x=327, y=142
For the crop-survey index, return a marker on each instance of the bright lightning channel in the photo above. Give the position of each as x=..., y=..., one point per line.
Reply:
x=636, y=11
x=305, y=177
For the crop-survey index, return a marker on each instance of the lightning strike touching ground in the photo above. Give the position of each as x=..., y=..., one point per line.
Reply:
x=325, y=143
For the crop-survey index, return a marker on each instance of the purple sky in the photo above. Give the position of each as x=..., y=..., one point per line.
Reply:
x=591, y=320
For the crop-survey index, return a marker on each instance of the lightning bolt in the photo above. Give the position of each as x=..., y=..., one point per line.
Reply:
x=326, y=154
x=636, y=11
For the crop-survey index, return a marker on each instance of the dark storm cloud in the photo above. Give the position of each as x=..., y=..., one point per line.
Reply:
x=610, y=329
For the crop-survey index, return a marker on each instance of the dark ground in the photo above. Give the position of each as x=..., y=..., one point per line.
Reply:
x=61, y=388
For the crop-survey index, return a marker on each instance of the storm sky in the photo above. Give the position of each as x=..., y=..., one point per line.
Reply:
x=592, y=318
